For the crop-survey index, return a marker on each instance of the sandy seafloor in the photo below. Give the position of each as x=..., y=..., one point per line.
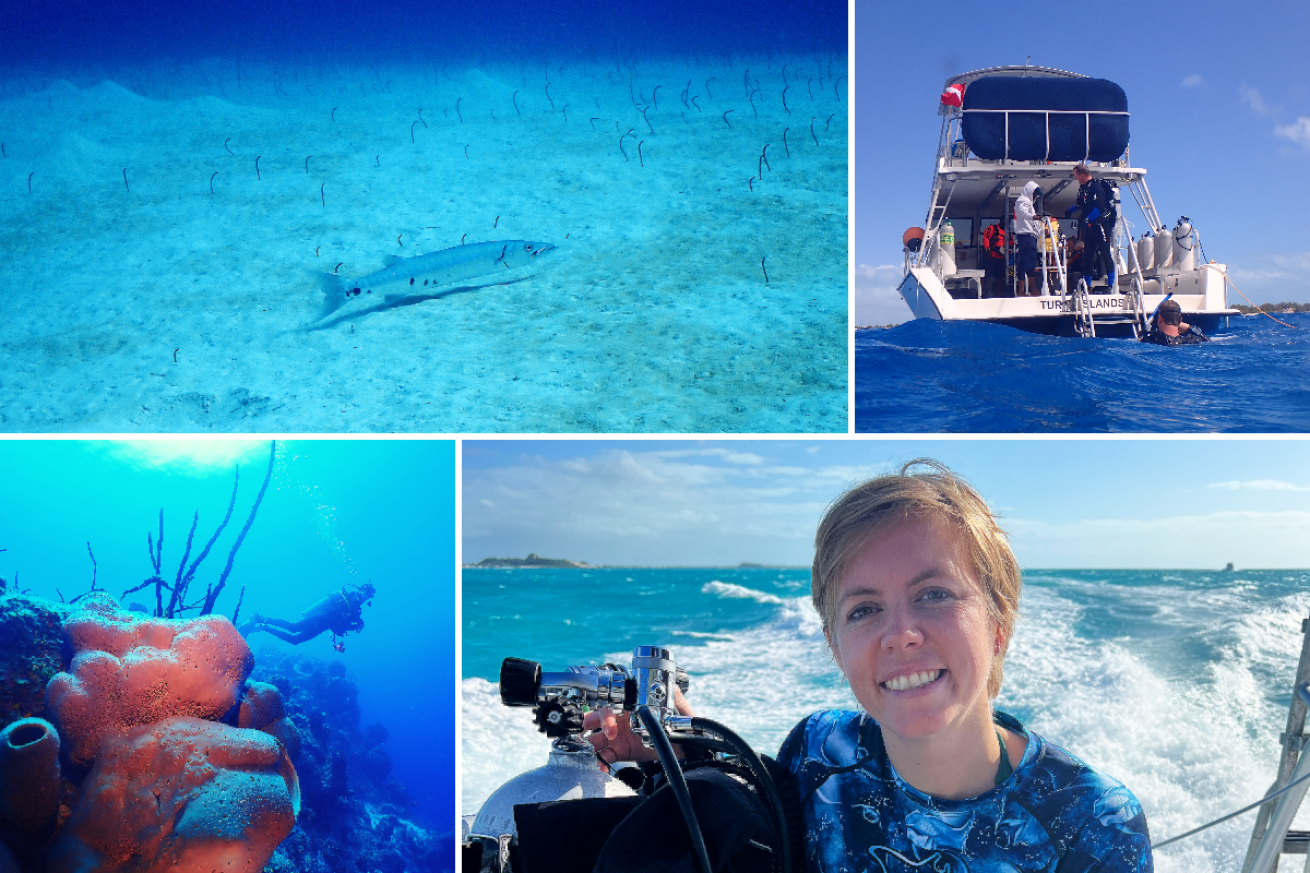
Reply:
x=168, y=308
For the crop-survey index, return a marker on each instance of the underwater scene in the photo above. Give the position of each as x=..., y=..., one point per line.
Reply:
x=425, y=217
x=227, y=653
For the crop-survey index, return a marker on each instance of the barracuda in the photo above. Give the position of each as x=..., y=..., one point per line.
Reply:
x=467, y=266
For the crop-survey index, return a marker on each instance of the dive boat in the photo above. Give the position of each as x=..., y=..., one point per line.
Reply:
x=1004, y=127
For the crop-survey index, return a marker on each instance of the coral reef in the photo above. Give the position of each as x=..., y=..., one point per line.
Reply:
x=31, y=651
x=261, y=708
x=178, y=756
x=29, y=774
x=183, y=794
x=354, y=815
x=130, y=670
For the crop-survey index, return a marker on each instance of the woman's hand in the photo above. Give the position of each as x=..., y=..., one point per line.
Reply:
x=614, y=740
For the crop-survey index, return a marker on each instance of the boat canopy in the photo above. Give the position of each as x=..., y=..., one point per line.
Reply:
x=1045, y=119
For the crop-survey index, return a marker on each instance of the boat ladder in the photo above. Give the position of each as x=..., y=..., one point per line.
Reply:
x=1083, y=321
x=1086, y=320
x=1271, y=836
x=1136, y=287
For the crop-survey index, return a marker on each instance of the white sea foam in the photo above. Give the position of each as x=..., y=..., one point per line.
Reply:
x=1193, y=739
x=497, y=743
x=741, y=592
x=1191, y=749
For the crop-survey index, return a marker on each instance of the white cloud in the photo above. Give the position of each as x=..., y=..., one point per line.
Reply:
x=1193, y=81
x=1273, y=278
x=726, y=455
x=876, y=298
x=1259, y=485
x=1253, y=98
x=629, y=506
x=1298, y=132
x=1248, y=538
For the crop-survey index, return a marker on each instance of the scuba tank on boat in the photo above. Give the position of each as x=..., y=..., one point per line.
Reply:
x=722, y=795
x=1146, y=252
x=1184, y=238
x=947, y=248
x=1164, y=248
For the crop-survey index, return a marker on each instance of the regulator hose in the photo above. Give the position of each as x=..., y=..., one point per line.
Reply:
x=677, y=782
x=769, y=790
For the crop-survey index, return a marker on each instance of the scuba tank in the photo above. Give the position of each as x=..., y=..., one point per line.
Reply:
x=569, y=773
x=947, y=248
x=1184, y=238
x=1146, y=252
x=1164, y=248
x=601, y=822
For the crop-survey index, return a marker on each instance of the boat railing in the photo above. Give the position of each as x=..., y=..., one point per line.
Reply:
x=936, y=214
x=1271, y=835
x=1142, y=195
x=1053, y=256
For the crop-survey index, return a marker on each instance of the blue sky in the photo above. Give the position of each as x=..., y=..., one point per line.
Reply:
x=1103, y=504
x=1220, y=101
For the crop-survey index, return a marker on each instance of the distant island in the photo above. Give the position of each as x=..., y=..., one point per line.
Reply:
x=1284, y=308
x=531, y=562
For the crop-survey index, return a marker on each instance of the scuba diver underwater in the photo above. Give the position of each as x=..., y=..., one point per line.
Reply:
x=340, y=613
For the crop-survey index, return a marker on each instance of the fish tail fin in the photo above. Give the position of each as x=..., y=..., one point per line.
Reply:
x=334, y=293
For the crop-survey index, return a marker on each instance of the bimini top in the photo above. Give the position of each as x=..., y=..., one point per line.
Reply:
x=1044, y=117
x=1015, y=70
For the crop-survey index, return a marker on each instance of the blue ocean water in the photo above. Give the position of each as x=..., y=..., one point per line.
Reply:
x=1175, y=682
x=335, y=513
x=964, y=377
x=241, y=166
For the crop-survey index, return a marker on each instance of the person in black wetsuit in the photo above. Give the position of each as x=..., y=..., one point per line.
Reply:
x=340, y=612
x=1169, y=329
x=1096, y=217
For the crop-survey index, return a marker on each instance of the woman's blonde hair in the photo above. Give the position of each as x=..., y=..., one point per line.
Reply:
x=935, y=493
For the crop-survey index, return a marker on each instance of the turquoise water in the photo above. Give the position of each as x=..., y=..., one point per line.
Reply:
x=335, y=513
x=175, y=188
x=1177, y=682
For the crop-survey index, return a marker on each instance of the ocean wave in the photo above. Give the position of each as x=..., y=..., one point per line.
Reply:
x=740, y=592
x=497, y=743
x=1150, y=716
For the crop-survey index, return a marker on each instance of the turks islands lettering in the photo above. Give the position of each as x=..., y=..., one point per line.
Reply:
x=1098, y=302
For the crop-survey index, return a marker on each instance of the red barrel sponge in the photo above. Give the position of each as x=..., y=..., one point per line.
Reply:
x=181, y=796
x=129, y=669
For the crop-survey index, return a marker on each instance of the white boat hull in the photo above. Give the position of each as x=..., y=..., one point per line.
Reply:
x=1199, y=292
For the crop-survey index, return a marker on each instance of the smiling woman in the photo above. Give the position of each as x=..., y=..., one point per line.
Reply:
x=918, y=590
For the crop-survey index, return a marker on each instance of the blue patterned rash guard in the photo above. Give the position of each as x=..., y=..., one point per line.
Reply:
x=1053, y=814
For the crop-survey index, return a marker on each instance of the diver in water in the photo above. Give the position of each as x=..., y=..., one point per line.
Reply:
x=1169, y=329
x=340, y=612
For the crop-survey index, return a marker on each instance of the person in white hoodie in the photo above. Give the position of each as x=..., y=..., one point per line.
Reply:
x=1025, y=238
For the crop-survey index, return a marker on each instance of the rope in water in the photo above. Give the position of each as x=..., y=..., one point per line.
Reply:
x=1257, y=308
x=1288, y=787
